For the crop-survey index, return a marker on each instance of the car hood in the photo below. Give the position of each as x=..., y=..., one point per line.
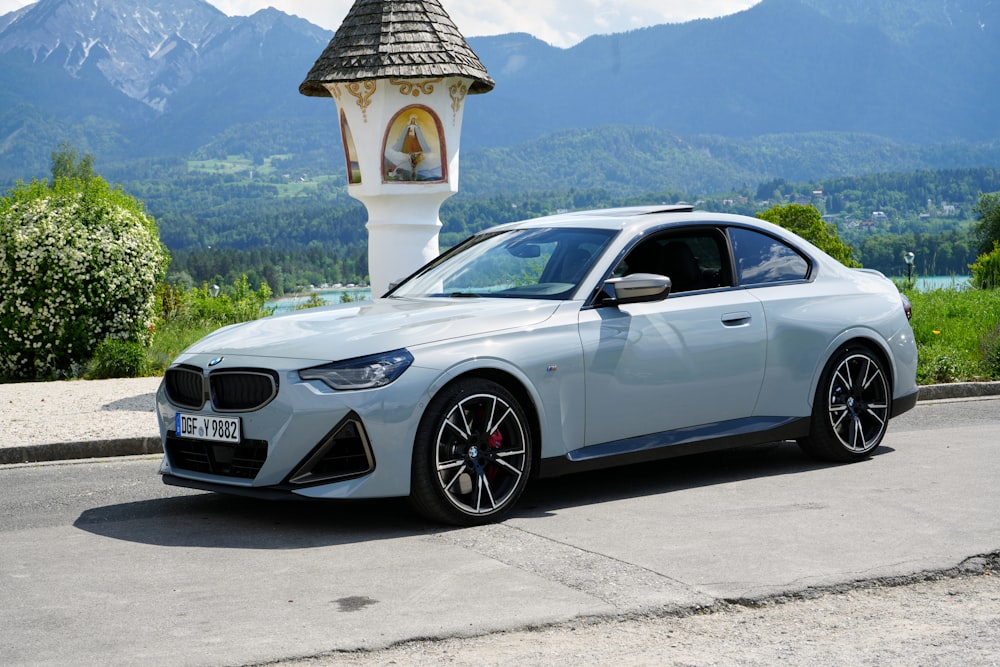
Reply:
x=350, y=330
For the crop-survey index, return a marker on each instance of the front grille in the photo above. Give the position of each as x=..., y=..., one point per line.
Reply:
x=242, y=461
x=185, y=386
x=343, y=454
x=242, y=391
x=237, y=390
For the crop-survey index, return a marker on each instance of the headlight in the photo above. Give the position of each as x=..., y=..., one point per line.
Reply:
x=377, y=370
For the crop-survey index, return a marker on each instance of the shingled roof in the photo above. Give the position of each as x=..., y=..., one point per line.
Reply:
x=383, y=39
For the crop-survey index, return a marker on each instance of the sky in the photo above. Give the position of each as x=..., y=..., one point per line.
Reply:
x=561, y=23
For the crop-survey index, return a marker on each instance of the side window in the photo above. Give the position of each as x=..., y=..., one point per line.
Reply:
x=692, y=260
x=763, y=259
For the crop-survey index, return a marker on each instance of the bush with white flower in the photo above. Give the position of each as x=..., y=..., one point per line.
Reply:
x=79, y=264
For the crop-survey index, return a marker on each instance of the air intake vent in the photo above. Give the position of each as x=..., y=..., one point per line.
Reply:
x=345, y=453
x=242, y=461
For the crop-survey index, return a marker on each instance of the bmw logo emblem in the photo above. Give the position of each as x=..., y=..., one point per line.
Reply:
x=215, y=362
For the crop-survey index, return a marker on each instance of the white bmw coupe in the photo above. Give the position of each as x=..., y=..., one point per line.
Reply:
x=544, y=347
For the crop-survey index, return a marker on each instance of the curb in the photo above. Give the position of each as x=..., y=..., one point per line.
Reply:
x=937, y=392
x=136, y=446
x=92, y=449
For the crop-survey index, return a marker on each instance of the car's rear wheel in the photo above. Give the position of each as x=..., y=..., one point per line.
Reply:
x=472, y=454
x=852, y=407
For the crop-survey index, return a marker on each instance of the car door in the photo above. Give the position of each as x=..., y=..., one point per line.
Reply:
x=692, y=359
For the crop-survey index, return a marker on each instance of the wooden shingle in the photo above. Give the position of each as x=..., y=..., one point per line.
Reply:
x=383, y=39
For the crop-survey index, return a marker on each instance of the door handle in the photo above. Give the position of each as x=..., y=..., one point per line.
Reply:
x=740, y=319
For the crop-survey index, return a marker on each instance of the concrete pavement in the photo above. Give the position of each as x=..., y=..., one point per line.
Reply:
x=233, y=581
x=102, y=564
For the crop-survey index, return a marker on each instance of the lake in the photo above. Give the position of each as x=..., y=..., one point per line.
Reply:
x=329, y=296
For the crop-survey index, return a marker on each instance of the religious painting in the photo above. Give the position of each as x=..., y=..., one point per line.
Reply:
x=350, y=152
x=413, y=148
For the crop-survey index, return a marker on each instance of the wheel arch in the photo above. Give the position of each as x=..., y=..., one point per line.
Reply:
x=850, y=412
x=866, y=339
x=515, y=386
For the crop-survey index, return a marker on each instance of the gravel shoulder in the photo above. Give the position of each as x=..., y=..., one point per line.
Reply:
x=947, y=620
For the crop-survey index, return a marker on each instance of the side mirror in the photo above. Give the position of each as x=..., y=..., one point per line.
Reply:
x=637, y=288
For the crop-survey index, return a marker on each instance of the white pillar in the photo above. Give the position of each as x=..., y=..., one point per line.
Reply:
x=403, y=222
x=402, y=235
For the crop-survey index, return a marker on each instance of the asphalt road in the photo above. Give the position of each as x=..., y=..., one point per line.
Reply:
x=102, y=564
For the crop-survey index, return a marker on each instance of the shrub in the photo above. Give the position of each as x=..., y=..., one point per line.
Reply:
x=989, y=346
x=235, y=304
x=939, y=367
x=186, y=315
x=118, y=359
x=79, y=263
x=986, y=270
x=314, y=301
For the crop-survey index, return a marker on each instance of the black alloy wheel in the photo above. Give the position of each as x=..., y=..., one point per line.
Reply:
x=852, y=407
x=472, y=454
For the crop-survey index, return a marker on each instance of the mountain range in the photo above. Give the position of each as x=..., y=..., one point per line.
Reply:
x=127, y=80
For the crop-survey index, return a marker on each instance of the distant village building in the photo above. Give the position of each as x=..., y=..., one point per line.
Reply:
x=399, y=73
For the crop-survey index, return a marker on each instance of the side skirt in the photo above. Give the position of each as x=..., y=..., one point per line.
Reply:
x=692, y=440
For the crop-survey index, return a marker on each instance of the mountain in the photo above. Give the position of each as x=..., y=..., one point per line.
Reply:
x=145, y=78
x=914, y=70
x=125, y=80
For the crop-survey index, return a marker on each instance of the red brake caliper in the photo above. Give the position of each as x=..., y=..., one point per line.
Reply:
x=496, y=442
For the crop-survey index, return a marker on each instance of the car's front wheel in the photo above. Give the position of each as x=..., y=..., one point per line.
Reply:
x=472, y=454
x=852, y=407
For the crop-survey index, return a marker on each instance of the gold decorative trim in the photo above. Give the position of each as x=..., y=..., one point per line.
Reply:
x=415, y=87
x=458, y=91
x=363, y=91
x=335, y=90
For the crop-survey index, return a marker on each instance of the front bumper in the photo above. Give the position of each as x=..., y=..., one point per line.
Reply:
x=309, y=441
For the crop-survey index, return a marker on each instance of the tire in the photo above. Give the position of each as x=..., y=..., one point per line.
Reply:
x=472, y=454
x=852, y=407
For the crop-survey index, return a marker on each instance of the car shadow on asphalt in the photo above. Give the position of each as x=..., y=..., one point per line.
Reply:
x=198, y=519
x=671, y=475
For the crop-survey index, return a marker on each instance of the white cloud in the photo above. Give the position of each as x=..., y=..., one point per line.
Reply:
x=558, y=22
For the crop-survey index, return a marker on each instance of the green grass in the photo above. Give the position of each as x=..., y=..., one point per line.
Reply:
x=246, y=172
x=231, y=165
x=172, y=338
x=957, y=333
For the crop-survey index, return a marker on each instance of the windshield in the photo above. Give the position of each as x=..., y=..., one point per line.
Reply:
x=521, y=263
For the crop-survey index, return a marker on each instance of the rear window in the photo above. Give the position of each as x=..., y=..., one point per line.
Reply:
x=765, y=260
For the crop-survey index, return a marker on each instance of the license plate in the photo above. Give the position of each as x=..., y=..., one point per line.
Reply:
x=207, y=427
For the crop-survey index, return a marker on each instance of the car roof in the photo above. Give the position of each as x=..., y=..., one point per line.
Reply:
x=607, y=218
x=636, y=217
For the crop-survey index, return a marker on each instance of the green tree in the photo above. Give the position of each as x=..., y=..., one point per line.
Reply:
x=988, y=224
x=67, y=163
x=807, y=223
x=79, y=264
